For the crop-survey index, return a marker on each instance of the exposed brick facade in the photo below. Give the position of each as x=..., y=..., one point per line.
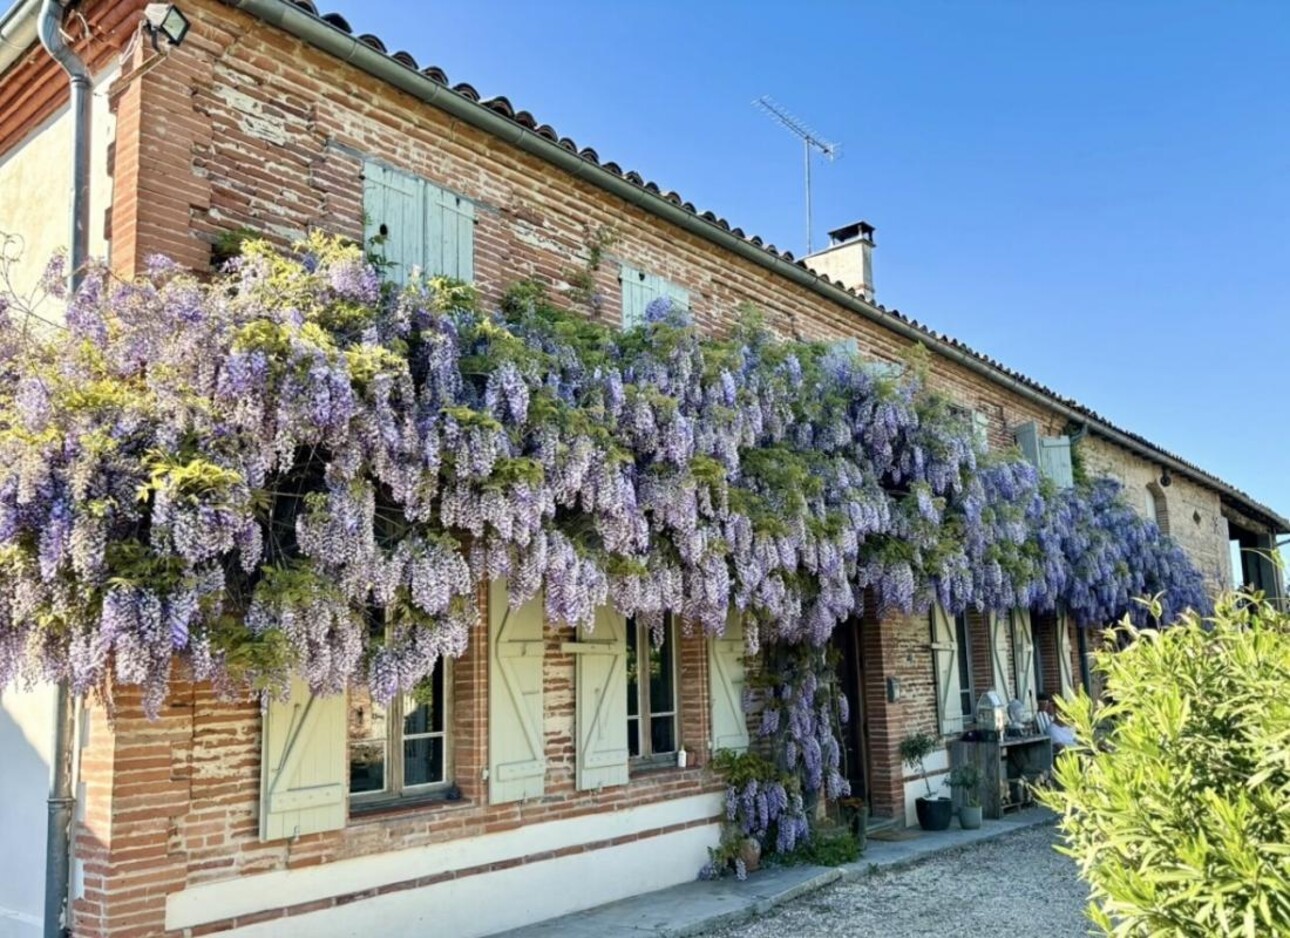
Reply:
x=244, y=126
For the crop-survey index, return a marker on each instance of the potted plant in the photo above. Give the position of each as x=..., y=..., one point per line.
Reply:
x=855, y=815
x=967, y=778
x=934, y=813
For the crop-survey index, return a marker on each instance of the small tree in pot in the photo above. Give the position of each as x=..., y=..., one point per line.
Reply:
x=934, y=813
x=967, y=778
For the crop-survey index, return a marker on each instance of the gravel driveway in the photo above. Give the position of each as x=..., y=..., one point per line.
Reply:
x=1017, y=886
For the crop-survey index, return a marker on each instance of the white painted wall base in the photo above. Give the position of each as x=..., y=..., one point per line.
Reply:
x=938, y=767
x=26, y=741
x=493, y=902
x=671, y=857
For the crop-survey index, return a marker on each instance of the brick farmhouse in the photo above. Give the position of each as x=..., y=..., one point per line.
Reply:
x=274, y=118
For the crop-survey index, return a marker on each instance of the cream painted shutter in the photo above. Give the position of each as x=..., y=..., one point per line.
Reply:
x=516, y=747
x=945, y=652
x=1064, y=655
x=601, y=701
x=726, y=667
x=999, y=653
x=1023, y=657
x=303, y=765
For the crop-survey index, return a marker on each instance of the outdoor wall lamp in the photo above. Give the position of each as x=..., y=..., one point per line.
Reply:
x=167, y=20
x=1166, y=479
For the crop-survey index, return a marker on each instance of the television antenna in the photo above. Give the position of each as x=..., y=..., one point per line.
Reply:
x=810, y=141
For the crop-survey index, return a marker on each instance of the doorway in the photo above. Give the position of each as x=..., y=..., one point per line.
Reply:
x=855, y=732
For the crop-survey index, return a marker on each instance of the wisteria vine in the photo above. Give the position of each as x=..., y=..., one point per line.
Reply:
x=297, y=467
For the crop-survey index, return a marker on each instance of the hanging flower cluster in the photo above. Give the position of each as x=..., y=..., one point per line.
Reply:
x=298, y=468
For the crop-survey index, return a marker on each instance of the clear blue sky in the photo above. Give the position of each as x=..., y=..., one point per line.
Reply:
x=1096, y=193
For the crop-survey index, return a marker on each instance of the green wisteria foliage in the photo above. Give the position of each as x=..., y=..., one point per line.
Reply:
x=296, y=467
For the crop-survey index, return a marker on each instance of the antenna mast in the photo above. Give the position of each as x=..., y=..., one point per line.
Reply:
x=810, y=141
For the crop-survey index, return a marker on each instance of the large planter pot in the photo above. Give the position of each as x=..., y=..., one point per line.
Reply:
x=970, y=817
x=934, y=814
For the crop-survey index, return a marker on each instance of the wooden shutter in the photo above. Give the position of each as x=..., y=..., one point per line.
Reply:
x=394, y=211
x=450, y=234
x=945, y=650
x=998, y=626
x=636, y=295
x=892, y=370
x=1023, y=658
x=1055, y=460
x=601, y=701
x=1064, y=655
x=424, y=226
x=1027, y=437
x=303, y=765
x=516, y=746
x=640, y=289
x=981, y=428
x=726, y=667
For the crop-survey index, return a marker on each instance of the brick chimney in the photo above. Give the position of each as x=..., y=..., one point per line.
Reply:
x=849, y=257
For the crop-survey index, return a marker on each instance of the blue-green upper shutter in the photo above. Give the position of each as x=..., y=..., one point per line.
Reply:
x=418, y=224
x=641, y=288
x=1051, y=455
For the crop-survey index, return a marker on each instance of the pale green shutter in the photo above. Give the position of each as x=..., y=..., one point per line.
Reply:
x=998, y=626
x=516, y=748
x=1055, y=460
x=726, y=674
x=636, y=295
x=1023, y=657
x=600, y=696
x=945, y=648
x=888, y=370
x=1064, y=655
x=303, y=765
x=450, y=234
x=420, y=225
x=640, y=289
x=981, y=427
x=394, y=212
x=1027, y=436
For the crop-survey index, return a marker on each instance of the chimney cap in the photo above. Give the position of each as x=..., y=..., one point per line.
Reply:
x=861, y=230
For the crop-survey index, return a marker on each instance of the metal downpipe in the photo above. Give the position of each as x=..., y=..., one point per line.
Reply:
x=62, y=804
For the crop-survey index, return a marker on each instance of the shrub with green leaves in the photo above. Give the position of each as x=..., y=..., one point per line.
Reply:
x=1176, y=801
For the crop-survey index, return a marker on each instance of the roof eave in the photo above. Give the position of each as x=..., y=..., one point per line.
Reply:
x=17, y=31
x=329, y=38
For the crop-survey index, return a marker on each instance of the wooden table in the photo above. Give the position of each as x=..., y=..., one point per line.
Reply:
x=1001, y=760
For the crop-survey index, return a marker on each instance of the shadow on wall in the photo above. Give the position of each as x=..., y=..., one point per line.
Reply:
x=26, y=737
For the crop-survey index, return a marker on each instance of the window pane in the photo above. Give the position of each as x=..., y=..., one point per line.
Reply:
x=423, y=761
x=366, y=728
x=367, y=767
x=663, y=734
x=965, y=663
x=662, y=692
x=421, y=715
x=633, y=688
x=634, y=737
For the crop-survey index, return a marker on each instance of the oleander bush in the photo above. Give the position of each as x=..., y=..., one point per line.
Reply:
x=1176, y=801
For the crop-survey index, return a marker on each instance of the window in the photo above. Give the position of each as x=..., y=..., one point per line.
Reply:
x=400, y=749
x=1050, y=455
x=967, y=699
x=651, y=692
x=413, y=224
x=640, y=289
x=1157, y=507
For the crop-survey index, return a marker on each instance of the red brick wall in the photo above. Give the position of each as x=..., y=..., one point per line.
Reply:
x=174, y=802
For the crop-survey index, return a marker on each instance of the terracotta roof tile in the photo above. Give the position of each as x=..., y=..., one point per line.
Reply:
x=503, y=106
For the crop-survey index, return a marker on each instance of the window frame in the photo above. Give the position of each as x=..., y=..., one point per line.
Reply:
x=395, y=791
x=645, y=714
x=963, y=662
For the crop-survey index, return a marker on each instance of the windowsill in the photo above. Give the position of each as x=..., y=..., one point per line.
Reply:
x=653, y=768
x=435, y=801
